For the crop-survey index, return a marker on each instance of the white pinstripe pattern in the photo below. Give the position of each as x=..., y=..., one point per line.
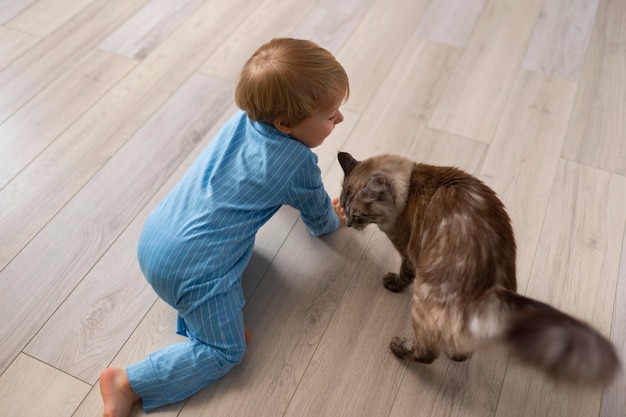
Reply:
x=196, y=244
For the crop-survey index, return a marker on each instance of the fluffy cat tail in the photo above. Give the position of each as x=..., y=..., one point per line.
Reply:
x=564, y=348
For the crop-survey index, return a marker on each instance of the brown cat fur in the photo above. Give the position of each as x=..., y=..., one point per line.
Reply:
x=457, y=248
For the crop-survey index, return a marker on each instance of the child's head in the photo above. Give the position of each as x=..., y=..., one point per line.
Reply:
x=290, y=79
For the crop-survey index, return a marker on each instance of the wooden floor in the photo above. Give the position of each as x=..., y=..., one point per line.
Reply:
x=105, y=103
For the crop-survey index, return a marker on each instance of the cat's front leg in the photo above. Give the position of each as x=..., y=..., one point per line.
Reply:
x=398, y=282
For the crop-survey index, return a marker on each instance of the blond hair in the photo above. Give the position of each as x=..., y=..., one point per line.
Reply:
x=291, y=79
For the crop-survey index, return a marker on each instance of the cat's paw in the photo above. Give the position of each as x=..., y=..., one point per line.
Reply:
x=402, y=348
x=393, y=282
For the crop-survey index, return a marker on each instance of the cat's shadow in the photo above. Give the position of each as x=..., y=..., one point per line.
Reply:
x=471, y=385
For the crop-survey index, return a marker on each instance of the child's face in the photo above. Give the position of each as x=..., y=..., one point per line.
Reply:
x=314, y=129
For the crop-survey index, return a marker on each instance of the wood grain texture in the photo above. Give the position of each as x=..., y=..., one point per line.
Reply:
x=13, y=44
x=373, y=47
x=273, y=18
x=50, y=58
x=331, y=23
x=36, y=125
x=596, y=132
x=481, y=83
x=560, y=38
x=613, y=400
x=10, y=8
x=448, y=388
x=358, y=336
x=33, y=388
x=143, y=32
x=575, y=270
x=404, y=101
x=45, y=16
x=156, y=330
x=523, y=157
x=450, y=21
x=83, y=181
x=90, y=223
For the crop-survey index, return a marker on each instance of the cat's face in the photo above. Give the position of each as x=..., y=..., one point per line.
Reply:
x=365, y=194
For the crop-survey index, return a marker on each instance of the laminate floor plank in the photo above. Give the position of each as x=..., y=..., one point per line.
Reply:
x=273, y=19
x=613, y=398
x=36, y=125
x=448, y=388
x=49, y=59
x=560, y=38
x=46, y=16
x=90, y=222
x=157, y=330
x=523, y=157
x=450, y=21
x=478, y=89
x=33, y=388
x=148, y=27
x=372, y=49
x=358, y=338
x=404, y=101
x=596, y=133
x=331, y=23
x=11, y=8
x=575, y=270
x=13, y=44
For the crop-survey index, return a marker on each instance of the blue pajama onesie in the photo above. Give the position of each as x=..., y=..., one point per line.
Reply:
x=197, y=242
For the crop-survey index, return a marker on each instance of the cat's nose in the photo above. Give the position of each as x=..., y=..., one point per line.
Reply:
x=348, y=222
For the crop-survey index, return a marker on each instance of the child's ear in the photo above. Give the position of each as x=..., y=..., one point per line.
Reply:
x=282, y=125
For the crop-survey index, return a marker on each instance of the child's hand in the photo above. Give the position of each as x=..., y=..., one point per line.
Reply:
x=339, y=210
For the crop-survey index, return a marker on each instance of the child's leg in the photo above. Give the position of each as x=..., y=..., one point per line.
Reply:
x=216, y=344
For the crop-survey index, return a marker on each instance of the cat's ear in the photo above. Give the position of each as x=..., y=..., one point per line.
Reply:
x=347, y=162
x=376, y=186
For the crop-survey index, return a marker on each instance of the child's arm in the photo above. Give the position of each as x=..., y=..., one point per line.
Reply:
x=307, y=194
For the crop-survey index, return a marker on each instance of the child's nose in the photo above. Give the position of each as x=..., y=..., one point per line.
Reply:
x=339, y=117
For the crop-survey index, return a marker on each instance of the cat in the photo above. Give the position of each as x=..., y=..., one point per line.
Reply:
x=457, y=248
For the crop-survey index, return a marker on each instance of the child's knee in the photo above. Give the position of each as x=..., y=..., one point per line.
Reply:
x=230, y=353
x=234, y=354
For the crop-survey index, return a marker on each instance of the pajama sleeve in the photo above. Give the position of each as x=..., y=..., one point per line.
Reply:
x=307, y=194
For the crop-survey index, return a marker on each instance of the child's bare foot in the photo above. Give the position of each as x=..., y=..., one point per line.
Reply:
x=117, y=395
